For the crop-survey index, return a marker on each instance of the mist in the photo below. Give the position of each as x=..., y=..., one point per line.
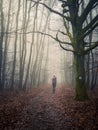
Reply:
x=29, y=54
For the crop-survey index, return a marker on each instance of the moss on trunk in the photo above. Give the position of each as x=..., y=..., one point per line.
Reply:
x=80, y=86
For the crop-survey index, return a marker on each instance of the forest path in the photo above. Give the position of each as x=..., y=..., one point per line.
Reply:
x=41, y=109
x=48, y=110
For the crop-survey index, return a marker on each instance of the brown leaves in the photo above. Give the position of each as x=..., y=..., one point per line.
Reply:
x=40, y=109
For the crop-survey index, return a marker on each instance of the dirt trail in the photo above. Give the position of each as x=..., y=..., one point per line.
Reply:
x=46, y=110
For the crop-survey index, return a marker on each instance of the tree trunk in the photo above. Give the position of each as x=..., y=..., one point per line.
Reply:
x=1, y=40
x=80, y=86
x=4, y=58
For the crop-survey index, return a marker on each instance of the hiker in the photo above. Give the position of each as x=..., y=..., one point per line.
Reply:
x=54, y=81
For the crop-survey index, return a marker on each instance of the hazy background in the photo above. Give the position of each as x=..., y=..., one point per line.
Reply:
x=37, y=56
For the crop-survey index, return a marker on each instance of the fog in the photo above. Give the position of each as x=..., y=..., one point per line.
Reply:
x=39, y=55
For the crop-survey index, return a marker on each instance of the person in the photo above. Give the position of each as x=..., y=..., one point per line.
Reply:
x=54, y=82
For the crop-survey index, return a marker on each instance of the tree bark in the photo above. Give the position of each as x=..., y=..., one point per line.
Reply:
x=80, y=86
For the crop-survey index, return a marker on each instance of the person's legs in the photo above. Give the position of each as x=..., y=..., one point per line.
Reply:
x=54, y=88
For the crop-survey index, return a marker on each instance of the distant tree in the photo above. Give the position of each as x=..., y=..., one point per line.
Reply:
x=31, y=47
x=1, y=40
x=4, y=60
x=23, y=46
x=15, y=47
x=77, y=32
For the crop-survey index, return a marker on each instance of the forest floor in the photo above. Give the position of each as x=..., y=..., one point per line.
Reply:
x=41, y=109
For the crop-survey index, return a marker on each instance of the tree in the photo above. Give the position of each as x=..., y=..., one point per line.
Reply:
x=4, y=60
x=1, y=40
x=23, y=47
x=15, y=48
x=74, y=22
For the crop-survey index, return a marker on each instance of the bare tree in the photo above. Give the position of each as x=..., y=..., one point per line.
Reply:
x=6, y=45
x=15, y=47
x=77, y=32
x=1, y=40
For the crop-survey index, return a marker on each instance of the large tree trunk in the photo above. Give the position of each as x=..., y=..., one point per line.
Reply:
x=80, y=86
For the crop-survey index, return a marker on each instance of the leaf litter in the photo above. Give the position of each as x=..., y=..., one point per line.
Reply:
x=40, y=109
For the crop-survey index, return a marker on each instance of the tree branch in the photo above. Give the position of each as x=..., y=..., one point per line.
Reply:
x=91, y=24
x=91, y=47
x=90, y=30
x=87, y=10
x=66, y=48
x=67, y=43
x=55, y=38
x=51, y=10
x=58, y=31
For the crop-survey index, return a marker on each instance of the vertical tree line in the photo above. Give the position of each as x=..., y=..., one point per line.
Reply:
x=21, y=50
x=1, y=40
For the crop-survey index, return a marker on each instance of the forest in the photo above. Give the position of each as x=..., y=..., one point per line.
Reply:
x=40, y=39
